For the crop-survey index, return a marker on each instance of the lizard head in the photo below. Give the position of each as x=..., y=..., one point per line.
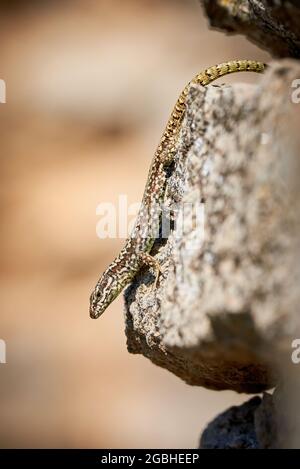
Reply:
x=104, y=294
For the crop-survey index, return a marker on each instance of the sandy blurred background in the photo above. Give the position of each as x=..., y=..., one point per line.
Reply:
x=90, y=85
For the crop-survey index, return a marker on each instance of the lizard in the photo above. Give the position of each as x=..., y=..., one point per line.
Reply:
x=137, y=248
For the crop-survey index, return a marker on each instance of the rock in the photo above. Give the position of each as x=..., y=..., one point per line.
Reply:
x=274, y=26
x=226, y=308
x=251, y=425
x=266, y=423
x=260, y=423
x=233, y=429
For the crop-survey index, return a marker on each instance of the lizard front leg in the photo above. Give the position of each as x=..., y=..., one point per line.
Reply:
x=149, y=260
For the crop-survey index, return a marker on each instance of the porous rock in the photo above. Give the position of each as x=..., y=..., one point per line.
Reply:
x=226, y=307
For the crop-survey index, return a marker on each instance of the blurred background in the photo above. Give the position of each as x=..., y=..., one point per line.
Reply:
x=90, y=85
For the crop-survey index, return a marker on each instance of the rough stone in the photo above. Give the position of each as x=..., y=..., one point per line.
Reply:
x=272, y=25
x=251, y=425
x=226, y=309
x=233, y=429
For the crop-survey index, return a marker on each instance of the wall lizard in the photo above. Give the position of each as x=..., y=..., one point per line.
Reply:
x=136, y=251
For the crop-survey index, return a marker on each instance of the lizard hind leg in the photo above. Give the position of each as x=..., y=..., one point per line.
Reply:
x=153, y=263
x=168, y=157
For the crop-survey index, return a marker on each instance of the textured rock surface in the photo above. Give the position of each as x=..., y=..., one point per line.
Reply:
x=233, y=429
x=273, y=25
x=266, y=424
x=226, y=307
x=260, y=423
x=251, y=425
